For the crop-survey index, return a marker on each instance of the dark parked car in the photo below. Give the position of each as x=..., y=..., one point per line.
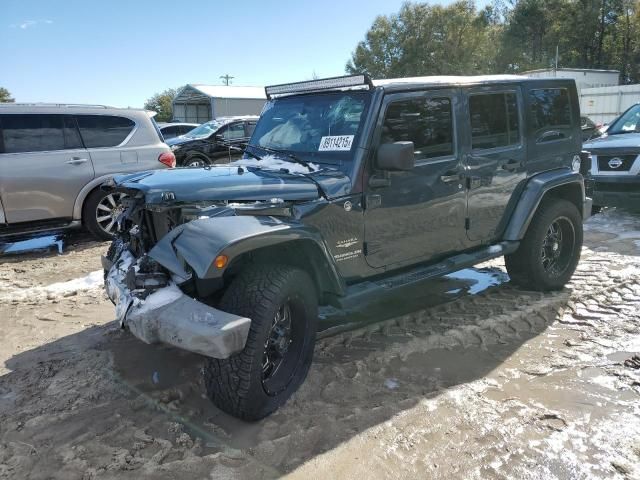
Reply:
x=349, y=191
x=175, y=129
x=210, y=141
x=589, y=129
x=614, y=179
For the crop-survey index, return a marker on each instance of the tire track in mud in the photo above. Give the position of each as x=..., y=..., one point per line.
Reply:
x=359, y=379
x=500, y=318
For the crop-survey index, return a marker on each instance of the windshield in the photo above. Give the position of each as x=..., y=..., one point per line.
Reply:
x=323, y=124
x=628, y=122
x=204, y=130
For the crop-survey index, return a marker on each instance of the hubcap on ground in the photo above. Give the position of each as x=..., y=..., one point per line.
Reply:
x=557, y=247
x=108, y=211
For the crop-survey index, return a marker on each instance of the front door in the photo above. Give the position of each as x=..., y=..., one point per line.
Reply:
x=43, y=166
x=496, y=158
x=417, y=215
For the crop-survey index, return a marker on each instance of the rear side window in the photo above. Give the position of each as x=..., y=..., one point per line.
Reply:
x=550, y=107
x=104, y=130
x=494, y=120
x=428, y=123
x=234, y=131
x=32, y=133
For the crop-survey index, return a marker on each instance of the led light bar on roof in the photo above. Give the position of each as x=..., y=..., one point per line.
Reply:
x=322, y=84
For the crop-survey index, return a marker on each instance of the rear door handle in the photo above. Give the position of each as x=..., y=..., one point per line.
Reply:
x=511, y=165
x=76, y=161
x=450, y=176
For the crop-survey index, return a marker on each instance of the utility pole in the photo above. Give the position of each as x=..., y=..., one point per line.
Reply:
x=226, y=79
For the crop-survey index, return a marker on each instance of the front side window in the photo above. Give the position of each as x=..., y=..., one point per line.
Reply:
x=321, y=125
x=427, y=122
x=104, y=130
x=629, y=122
x=234, y=131
x=550, y=108
x=32, y=133
x=494, y=120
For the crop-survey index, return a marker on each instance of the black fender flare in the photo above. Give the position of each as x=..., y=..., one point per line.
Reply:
x=199, y=242
x=534, y=191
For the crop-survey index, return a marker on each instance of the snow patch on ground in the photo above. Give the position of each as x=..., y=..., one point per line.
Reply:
x=93, y=280
x=482, y=280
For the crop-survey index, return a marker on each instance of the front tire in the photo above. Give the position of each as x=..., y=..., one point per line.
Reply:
x=282, y=303
x=196, y=161
x=550, y=251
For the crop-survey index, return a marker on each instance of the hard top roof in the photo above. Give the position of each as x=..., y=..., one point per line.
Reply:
x=362, y=81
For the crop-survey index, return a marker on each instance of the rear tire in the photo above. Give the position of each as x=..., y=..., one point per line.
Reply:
x=282, y=303
x=550, y=251
x=100, y=211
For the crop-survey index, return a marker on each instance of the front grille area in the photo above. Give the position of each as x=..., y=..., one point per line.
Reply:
x=625, y=166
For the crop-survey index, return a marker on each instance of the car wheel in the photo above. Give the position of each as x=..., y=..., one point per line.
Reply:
x=197, y=161
x=282, y=304
x=101, y=211
x=549, y=253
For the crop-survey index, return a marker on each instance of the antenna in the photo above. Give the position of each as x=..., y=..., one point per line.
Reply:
x=226, y=79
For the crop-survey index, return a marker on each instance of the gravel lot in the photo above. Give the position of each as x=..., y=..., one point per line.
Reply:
x=501, y=383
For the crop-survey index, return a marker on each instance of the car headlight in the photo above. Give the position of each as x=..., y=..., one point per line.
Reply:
x=175, y=147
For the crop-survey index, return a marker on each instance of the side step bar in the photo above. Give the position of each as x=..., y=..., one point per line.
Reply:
x=368, y=291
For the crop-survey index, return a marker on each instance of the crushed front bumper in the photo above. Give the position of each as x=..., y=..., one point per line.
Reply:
x=169, y=316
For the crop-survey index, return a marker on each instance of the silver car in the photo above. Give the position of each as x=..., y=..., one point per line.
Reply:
x=54, y=158
x=175, y=129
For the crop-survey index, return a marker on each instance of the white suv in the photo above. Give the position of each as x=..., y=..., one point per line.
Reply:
x=54, y=158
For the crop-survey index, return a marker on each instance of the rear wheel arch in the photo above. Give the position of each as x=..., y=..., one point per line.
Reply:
x=563, y=186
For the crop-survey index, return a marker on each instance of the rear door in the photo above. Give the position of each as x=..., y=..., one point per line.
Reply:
x=495, y=163
x=43, y=166
x=554, y=135
x=106, y=137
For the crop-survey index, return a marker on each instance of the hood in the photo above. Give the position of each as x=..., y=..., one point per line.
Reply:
x=218, y=183
x=179, y=140
x=620, y=143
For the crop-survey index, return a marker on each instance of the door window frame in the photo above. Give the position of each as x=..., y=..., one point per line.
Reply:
x=468, y=93
x=453, y=94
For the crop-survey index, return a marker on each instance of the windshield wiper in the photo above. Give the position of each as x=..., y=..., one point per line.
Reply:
x=291, y=156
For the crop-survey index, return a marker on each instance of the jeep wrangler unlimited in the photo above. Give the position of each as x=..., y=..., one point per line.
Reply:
x=348, y=189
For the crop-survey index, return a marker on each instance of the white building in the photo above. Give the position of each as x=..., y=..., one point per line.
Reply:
x=604, y=104
x=199, y=103
x=585, y=78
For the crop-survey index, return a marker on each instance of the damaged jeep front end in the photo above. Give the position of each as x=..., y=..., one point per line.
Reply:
x=152, y=306
x=161, y=272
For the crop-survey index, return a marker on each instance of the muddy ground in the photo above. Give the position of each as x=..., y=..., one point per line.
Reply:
x=466, y=377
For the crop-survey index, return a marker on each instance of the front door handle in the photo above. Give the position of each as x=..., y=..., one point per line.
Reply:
x=76, y=161
x=450, y=176
x=511, y=165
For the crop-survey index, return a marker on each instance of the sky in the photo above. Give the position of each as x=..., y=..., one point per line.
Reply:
x=120, y=53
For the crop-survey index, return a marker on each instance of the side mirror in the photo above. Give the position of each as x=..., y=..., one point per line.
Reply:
x=396, y=156
x=219, y=137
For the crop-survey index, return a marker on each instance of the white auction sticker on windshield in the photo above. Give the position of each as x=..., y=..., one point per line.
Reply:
x=335, y=143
